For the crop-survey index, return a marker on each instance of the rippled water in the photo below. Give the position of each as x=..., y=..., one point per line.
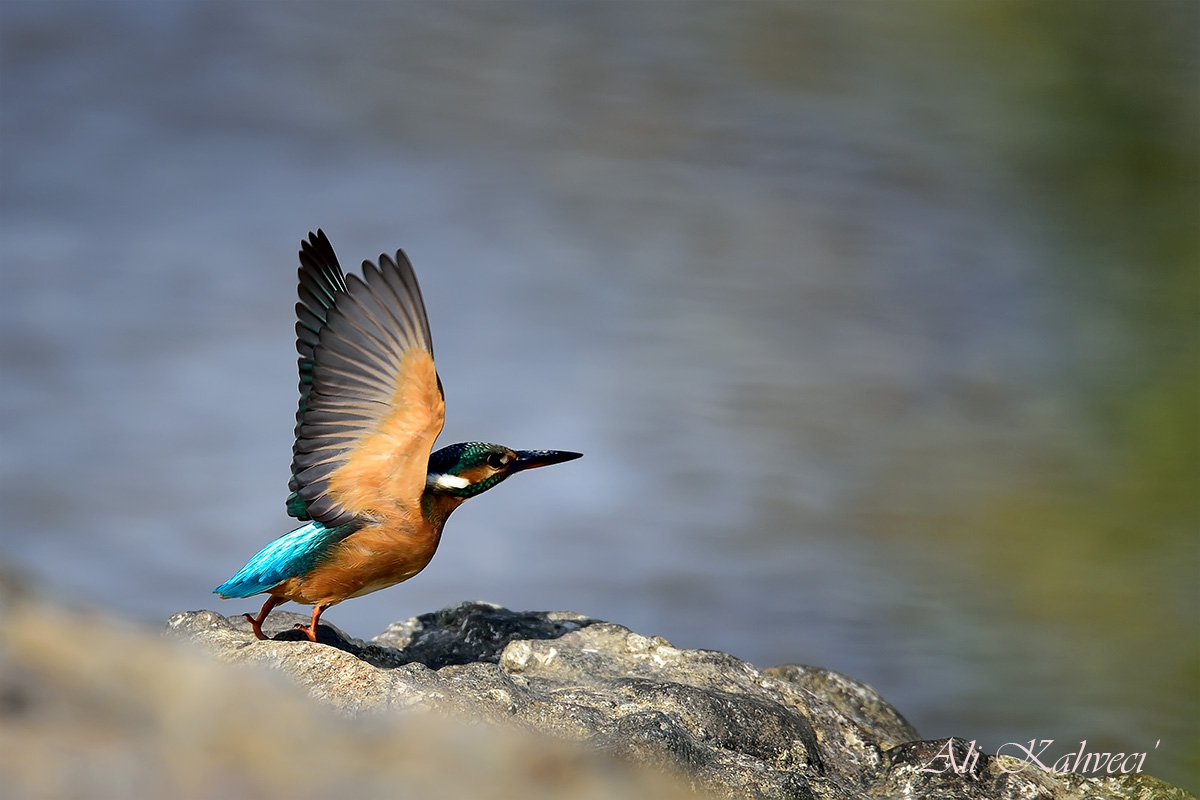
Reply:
x=774, y=271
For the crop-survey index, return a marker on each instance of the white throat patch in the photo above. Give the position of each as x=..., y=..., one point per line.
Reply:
x=440, y=480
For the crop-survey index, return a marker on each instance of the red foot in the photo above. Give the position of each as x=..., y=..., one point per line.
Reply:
x=310, y=630
x=256, y=622
x=256, y=625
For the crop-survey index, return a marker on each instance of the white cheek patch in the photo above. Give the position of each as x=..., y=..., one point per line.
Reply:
x=437, y=480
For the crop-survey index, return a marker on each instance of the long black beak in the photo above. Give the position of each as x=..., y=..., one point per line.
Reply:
x=528, y=459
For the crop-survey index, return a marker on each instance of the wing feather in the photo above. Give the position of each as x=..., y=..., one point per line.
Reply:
x=371, y=403
x=321, y=280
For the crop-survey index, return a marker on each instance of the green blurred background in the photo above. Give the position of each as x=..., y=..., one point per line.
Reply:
x=877, y=322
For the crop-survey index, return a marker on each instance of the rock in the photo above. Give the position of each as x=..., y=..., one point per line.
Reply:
x=91, y=707
x=470, y=701
x=710, y=719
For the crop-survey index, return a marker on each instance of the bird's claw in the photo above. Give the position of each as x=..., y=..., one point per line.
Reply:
x=307, y=630
x=256, y=625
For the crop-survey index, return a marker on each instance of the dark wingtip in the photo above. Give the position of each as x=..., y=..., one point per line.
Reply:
x=317, y=248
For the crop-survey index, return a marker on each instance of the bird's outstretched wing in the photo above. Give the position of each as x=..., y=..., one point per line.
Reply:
x=371, y=403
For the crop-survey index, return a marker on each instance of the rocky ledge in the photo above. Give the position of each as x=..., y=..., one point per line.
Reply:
x=724, y=727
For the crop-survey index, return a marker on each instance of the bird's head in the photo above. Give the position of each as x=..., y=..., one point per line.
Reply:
x=466, y=469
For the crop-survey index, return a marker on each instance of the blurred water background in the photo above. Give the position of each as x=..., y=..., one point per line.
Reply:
x=877, y=323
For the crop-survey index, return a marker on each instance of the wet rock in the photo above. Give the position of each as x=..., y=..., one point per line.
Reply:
x=708, y=718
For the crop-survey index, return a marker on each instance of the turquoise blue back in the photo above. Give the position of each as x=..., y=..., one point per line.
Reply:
x=288, y=556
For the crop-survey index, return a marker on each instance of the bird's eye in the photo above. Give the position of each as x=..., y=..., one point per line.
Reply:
x=497, y=460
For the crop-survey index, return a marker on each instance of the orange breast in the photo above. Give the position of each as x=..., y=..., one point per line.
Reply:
x=370, y=559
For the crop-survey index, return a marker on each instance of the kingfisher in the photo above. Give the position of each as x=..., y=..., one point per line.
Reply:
x=372, y=495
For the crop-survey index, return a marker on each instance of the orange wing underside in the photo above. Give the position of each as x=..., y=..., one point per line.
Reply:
x=382, y=479
x=384, y=474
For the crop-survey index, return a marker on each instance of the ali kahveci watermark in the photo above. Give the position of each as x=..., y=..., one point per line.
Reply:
x=1080, y=762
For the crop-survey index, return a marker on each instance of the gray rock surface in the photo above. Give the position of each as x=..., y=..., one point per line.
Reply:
x=99, y=709
x=712, y=720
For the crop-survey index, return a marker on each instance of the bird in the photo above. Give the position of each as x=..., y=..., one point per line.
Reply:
x=371, y=492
